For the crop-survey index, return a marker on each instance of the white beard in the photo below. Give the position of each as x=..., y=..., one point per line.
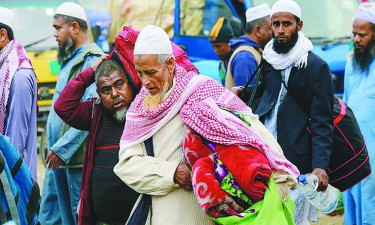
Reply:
x=120, y=115
x=151, y=102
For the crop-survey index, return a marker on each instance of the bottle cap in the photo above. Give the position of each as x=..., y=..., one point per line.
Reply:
x=302, y=179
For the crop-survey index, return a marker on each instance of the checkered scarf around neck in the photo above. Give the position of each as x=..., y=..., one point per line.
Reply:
x=12, y=58
x=198, y=100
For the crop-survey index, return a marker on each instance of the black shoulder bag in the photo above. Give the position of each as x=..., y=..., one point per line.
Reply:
x=349, y=161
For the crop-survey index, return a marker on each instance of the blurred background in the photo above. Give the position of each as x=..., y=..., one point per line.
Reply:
x=328, y=24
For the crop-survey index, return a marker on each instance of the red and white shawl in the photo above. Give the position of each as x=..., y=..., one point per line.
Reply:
x=197, y=98
x=12, y=58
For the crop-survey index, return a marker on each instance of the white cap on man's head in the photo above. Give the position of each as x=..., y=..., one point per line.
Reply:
x=257, y=12
x=71, y=9
x=6, y=16
x=152, y=40
x=286, y=6
x=366, y=11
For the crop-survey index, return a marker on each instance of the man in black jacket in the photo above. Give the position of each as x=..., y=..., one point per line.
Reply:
x=295, y=98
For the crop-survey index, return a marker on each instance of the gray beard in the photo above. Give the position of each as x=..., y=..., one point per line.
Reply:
x=64, y=50
x=120, y=115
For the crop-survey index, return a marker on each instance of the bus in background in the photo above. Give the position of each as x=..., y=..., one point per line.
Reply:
x=327, y=23
x=33, y=27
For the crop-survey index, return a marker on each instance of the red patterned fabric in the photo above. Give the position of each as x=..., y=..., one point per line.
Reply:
x=193, y=147
x=249, y=167
x=212, y=199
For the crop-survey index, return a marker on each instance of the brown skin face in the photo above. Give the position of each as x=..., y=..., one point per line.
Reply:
x=264, y=33
x=362, y=34
x=283, y=26
x=62, y=30
x=154, y=76
x=115, y=91
x=222, y=50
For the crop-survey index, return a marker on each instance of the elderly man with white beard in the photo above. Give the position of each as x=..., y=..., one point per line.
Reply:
x=170, y=101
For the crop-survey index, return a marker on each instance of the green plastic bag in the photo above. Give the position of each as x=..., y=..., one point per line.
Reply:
x=266, y=212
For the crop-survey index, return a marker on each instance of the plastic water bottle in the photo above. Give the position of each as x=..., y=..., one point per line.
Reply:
x=325, y=201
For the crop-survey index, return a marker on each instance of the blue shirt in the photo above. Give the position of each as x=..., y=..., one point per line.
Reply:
x=243, y=63
x=20, y=121
x=359, y=95
x=67, y=145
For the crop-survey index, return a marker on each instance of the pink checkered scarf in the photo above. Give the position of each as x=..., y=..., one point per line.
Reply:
x=12, y=58
x=198, y=98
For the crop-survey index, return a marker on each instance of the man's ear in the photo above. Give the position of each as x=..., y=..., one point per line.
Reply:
x=258, y=31
x=75, y=28
x=300, y=25
x=170, y=64
x=3, y=34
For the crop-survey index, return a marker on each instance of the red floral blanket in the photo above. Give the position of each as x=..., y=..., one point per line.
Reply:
x=247, y=170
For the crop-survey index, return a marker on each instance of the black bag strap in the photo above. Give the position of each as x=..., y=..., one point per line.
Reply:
x=12, y=202
x=149, y=147
x=16, y=167
x=140, y=214
x=250, y=102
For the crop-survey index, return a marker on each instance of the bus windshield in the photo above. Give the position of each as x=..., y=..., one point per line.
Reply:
x=32, y=22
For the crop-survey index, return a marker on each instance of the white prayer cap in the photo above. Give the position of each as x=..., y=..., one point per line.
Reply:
x=366, y=11
x=71, y=9
x=6, y=16
x=286, y=6
x=152, y=40
x=257, y=12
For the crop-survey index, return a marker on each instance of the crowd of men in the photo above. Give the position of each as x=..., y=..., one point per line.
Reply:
x=117, y=138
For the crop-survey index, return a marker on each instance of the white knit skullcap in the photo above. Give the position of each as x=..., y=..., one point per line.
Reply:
x=257, y=12
x=152, y=40
x=366, y=11
x=6, y=16
x=71, y=9
x=286, y=6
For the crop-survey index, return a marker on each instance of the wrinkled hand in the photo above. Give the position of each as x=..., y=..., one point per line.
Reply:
x=53, y=161
x=229, y=208
x=95, y=65
x=323, y=178
x=182, y=176
x=236, y=90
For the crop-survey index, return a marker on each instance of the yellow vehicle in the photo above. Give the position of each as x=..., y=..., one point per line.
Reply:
x=47, y=70
x=32, y=26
